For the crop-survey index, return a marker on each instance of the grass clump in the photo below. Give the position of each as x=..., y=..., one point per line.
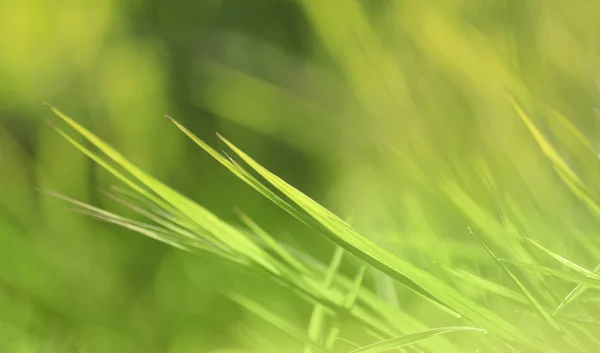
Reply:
x=482, y=237
x=544, y=323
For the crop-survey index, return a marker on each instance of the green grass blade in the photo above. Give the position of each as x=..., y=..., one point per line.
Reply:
x=566, y=173
x=563, y=260
x=353, y=294
x=501, y=233
x=275, y=320
x=334, y=226
x=138, y=227
x=334, y=266
x=165, y=235
x=349, y=305
x=122, y=177
x=410, y=339
x=574, y=294
x=228, y=234
x=592, y=282
x=168, y=224
x=273, y=244
x=238, y=171
x=317, y=318
x=545, y=145
x=401, y=322
x=389, y=320
x=579, y=289
x=538, y=306
x=564, y=123
x=414, y=278
x=490, y=286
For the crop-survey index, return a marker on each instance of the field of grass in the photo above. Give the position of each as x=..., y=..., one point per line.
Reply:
x=402, y=176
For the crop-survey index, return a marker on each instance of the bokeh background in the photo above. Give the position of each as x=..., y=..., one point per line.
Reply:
x=339, y=98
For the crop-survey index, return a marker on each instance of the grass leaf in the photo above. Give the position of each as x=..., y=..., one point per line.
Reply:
x=490, y=286
x=276, y=321
x=574, y=294
x=563, y=260
x=410, y=339
x=538, y=306
x=317, y=318
x=592, y=282
x=420, y=281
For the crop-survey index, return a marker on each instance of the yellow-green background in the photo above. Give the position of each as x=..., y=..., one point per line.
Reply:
x=327, y=94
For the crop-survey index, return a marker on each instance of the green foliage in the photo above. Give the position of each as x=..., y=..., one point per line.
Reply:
x=191, y=221
x=421, y=120
x=408, y=340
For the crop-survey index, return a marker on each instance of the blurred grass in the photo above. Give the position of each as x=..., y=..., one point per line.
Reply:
x=396, y=112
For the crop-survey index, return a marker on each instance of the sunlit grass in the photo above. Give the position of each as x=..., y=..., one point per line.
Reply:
x=465, y=150
x=340, y=300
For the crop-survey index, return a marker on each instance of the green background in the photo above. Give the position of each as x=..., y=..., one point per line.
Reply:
x=316, y=91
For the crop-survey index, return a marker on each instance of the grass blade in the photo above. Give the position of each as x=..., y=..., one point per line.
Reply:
x=349, y=305
x=238, y=171
x=276, y=321
x=521, y=287
x=273, y=244
x=315, y=326
x=414, y=278
x=410, y=339
x=168, y=197
x=546, y=146
x=563, y=260
x=579, y=289
x=592, y=282
x=574, y=294
x=490, y=286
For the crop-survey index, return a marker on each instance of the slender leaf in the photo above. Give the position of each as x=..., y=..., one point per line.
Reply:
x=410, y=339
x=543, y=312
x=275, y=320
x=563, y=260
x=592, y=282
x=490, y=286
x=574, y=294
x=414, y=278
x=317, y=318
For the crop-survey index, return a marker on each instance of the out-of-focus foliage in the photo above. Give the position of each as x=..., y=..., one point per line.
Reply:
x=416, y=118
